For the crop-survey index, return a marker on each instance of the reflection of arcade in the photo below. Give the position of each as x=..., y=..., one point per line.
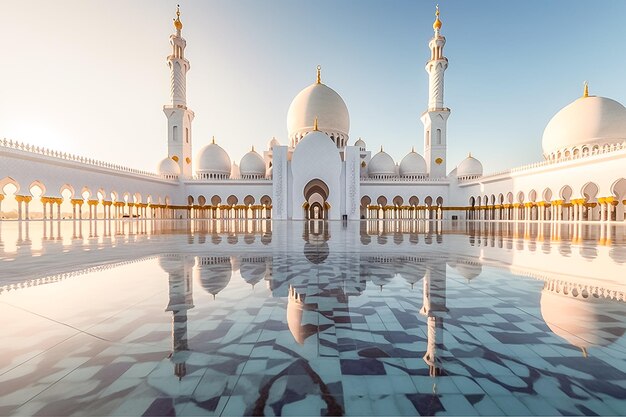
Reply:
x=316, y=236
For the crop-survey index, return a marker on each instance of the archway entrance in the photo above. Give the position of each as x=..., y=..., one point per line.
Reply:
x=315, y=205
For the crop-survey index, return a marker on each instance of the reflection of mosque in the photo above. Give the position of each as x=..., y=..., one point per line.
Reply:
x=581, y=303
x=582, y=316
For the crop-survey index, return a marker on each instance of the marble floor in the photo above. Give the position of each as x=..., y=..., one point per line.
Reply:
x=164, y=318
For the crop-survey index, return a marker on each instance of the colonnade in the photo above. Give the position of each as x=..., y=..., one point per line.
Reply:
x=605, y=209
x=404, y=212
x=239, y=211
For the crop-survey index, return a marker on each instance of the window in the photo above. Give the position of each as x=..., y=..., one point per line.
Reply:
x=428, y=138
x=438, y=136
x=175, y=133
x=186, y=135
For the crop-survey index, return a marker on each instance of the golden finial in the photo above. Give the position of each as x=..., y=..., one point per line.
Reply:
x=177, y=23
x=586, y=90
x=381, y=148
x=437, y=24
x=319, y=74
x=252, y=148
x=213, y=140
x=469, y=155
x=412, y=149
x=315, y=129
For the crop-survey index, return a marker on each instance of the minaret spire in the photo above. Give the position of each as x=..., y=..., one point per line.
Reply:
x=436, y=115
x=179, y=117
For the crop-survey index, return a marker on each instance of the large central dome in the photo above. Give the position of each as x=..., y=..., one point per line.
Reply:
x=583, y=124
x=321, y=101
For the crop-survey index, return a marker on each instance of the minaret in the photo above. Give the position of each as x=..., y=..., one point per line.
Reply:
x=179, y=117
x=436, y=116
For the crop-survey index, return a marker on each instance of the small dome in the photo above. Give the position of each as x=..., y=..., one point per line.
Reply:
x=318, y=100
x=213, y=162
x=470, y=167
x=168, y=168
x=382, y=165
x=252, y=165
x=272, y=142
x=360, y=144
x=586, y=121
x=413, y=165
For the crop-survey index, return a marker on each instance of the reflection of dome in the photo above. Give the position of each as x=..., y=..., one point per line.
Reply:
x=168, y=168
x=213, y=162
x=468, y=269
x=381, y=165
x=380, y=271
x=316, y=253
x=412, y=271
x=172, y=264
x=470, y=167
x=582, y=322
x=253, y=270
x=413, y=165
x=318, y=100
x=295, y=306
x=252, y=165
x=213, y=273
x=585, y=121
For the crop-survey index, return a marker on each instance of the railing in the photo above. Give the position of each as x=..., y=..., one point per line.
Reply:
x=201, y=179
x=547, y=162
x=24, y=147
x=404, y=179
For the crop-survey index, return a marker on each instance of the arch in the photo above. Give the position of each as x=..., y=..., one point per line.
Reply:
x=414, y=201
x=114, y=196
x=248, y=200
x=428, y=201
x=316, y=193
x=589, y=191
x=232, y=200
x=472, y=201
x=69, y=188
x=39, y=185
x=493, y=199
x=398, y=201
x=101, y=194
x=6, y=181
x=520, y=197
x=618, y=189
x=500, y=198
x=216, y=200
x=190, y=200
x=547, y=194
x=381, y=201
x=566, y=193
x=201, y=201
x=137, y=198
x=509, y=197
x=365, y=201
x=439, y=201
x=266, y=200
x=532, y=195
x=85, y=193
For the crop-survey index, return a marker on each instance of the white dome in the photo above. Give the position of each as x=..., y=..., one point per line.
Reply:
x=318, y=100
x=413, y=165
x=252, y=165
x=213, y=162
x=381, y=165
x=168, y=168
x=272, y=142
x=470, y=167
x=586, y=121
x=360, y=143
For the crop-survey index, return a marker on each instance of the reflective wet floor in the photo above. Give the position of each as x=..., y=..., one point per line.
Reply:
x=319, y=318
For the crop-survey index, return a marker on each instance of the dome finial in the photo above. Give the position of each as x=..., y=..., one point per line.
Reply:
x=213, y=139
x=586, y=90
x=437, y=23
x=412, y=149
x=177, y=23
x=315, y=129
x=252, y=148
x=319, y=74
x=381, y=148
x=469, y=155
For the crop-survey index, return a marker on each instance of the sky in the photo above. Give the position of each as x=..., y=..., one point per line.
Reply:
x=90, y=77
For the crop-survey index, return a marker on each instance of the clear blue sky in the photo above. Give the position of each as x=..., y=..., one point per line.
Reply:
x=90, y=76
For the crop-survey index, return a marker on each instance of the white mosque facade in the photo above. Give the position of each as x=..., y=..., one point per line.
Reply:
x=582, y=176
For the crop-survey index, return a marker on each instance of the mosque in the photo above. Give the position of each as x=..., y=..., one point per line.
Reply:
x=582, y=176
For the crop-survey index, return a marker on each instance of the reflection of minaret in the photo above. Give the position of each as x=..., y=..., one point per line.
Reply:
x=181, y=300
x=434, y=307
